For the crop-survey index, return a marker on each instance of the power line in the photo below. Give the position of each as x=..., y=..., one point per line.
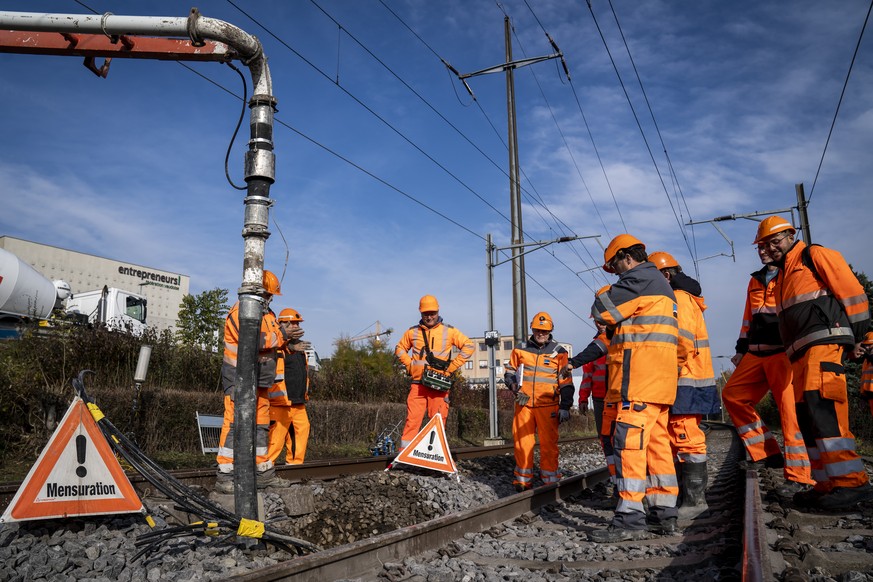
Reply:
x=839, y=102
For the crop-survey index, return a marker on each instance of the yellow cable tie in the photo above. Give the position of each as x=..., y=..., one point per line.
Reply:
x=250, y=528
x=95, y=412
x=212, y=529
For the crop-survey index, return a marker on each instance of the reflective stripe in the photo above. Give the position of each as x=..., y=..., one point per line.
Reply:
x=836, y=445
x=692, y=457
x=625, y=506
x=798, y=450
x=636, y=485
x=764, y=347
x=686, y=334
x=651, y=320
x=802, y=298
x=662, y=500
x=796, y=462
x=626, y=338
x=702, y=343
x=764, y=309
x=844, y=468
x=855, y=318
x=695, y=383
x=662, y=480
x=817, y=335
x=610, y=307
x=855, y=300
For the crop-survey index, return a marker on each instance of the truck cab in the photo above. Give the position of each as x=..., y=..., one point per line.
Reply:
x=117, y=309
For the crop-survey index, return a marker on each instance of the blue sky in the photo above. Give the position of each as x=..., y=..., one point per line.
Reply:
x=743, y=93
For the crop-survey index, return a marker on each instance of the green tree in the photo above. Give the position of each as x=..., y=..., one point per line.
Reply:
x=365, y=373
x=201, y=319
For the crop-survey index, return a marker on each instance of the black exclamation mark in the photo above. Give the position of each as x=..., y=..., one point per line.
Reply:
x=432, y=436
x=81, y=441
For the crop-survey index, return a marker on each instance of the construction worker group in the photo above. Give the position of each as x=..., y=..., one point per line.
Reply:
x=650, y=375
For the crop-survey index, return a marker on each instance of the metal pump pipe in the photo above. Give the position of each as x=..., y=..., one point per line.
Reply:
x=260, y=168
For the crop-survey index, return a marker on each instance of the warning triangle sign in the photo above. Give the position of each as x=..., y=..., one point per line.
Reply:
x=429, y=448
x=76, y=474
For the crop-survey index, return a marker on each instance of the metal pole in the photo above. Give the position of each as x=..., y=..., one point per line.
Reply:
x=519, y=292
x=801, y=210
x=492, y=382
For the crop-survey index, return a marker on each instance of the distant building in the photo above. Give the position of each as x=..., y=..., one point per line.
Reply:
x=163, y=289
x=475, y=370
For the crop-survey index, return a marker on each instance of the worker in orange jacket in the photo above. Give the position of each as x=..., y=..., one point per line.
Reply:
x=426, y=351
x=542, y=401
x=639, y=311
x=270, y=340
x=696, y=394
x=866, y=352
x=823, y=311
x=289, y=422
x=762, y=366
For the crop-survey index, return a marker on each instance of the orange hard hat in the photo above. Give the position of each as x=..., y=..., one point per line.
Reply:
x=868, y=339
x=663, y=260
x=542, y=320
x=289, y=314
x=772, y=225
x=622, y=241
x=271, y=283
x=428, y=303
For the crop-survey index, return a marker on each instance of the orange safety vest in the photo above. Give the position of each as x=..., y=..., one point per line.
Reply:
x=825, y=306
x=542, y=365
x=696, y=393
x=759, y=332
x=270, y=340
x=593, y=380
x=644, y=348
x=442, y=339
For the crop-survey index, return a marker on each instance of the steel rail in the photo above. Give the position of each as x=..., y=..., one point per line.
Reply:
x=366, y=557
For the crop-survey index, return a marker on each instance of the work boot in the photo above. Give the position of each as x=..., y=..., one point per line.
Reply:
x=269, y=478
x=789, y=489
x=664, y=527
x=770, y=462
x=224, y=484
x=844, y=498
x=808, y=498
x=617, y=534
x=694, y=489
x=520, y=488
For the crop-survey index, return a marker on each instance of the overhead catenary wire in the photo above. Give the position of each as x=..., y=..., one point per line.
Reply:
x=839, y=102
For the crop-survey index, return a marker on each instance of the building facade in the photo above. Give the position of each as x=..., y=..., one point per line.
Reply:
x=164, y=290
x=475, y=370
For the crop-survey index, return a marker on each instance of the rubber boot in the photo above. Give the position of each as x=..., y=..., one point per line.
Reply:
x=694, y=485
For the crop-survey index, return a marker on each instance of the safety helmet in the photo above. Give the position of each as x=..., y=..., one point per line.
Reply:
x=663, y=260
x=868, y=339
x=543, y=321
x=289, y=314
x=622, y=241
x=271, y=283
x=772, y=225
x=428, y=303
x=603, y=290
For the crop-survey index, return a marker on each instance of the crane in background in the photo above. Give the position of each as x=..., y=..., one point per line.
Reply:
x=374, y=335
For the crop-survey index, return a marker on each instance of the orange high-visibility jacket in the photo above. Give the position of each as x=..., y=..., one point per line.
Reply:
x=540, y=375
x=696, y=392
x=831, y=308
x=759, y=333
x=442, y=338
x=269, y=341
x=866, y=387
x=292, y=378
x=593, y=380
x=643, y=355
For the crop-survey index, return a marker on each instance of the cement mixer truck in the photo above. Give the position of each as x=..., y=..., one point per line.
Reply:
x=26, y=295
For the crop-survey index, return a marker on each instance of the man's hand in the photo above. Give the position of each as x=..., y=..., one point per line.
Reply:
x=736, y=359
x=521, y=398
x=567, y=371
x=295, y=334
x=563, y=416
x=301, y=346
x=583, y=407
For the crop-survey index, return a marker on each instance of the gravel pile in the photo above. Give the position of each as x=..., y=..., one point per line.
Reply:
x=101, y=549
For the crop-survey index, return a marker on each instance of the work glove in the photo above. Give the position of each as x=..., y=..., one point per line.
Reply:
x=521, y=398
x=563, y=416
x=301, y=346
x=583, y=407
x=567, y=371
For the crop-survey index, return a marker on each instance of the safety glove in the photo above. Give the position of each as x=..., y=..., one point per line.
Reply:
x=563, y=416
x=521, y=398
x=583, y=407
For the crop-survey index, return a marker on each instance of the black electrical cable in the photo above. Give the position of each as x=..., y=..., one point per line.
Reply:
x=238, y=125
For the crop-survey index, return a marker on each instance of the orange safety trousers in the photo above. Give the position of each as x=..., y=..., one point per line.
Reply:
x=422, y=400
x=749, y=383
x=687, y=440
x=289, y=428
x=607, y=426
x=824, y=419
x=643, y=464
x=225, y=439
x=527, y=423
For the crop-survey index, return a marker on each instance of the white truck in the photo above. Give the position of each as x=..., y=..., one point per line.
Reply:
x=26, y=295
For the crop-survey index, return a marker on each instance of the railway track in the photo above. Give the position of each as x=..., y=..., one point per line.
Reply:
x=544, y=531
